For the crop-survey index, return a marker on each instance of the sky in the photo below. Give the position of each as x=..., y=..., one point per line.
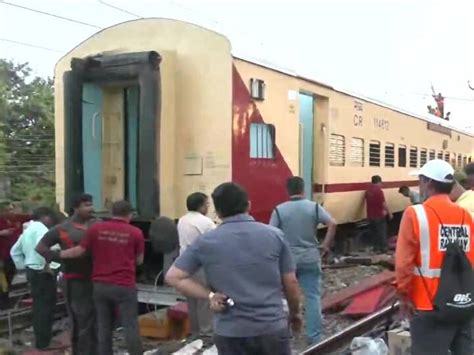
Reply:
x=388, y=50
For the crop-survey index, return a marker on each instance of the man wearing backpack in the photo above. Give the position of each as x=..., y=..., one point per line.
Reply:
x=434, y=259
x=299, y=218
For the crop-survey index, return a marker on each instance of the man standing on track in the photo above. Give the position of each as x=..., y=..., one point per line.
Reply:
x=377, y=212
x=78, y=288
x=299, y=219
x=190, y=227
x=116, y=248
x=427, y=231
x=248, y=265
x=40, y=276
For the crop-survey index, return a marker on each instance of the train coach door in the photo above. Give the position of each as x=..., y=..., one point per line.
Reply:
x=112, y=117
x=306, y=122
x=92, y=142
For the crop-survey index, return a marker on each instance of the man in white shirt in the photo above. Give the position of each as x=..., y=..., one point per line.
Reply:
x=190, y=227
x=41, y=276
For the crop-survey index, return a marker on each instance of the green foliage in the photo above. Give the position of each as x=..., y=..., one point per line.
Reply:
x=27, y=134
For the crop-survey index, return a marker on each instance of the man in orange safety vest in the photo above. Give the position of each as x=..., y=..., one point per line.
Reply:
x=425, y=232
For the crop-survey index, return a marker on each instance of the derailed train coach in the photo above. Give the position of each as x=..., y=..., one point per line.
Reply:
x=154, y=109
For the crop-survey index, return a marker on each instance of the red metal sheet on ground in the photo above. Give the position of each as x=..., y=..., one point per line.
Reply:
x=367, y=302
x=179, y=311
x=346, y=294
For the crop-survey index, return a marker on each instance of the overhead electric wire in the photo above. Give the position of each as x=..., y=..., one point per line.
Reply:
x=30, y=45
x=119, y=9
x=50, y=14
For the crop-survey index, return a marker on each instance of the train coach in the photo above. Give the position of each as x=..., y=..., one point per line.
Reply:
x=154, y=109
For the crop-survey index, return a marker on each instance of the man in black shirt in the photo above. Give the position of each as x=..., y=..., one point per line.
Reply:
x=77, y=285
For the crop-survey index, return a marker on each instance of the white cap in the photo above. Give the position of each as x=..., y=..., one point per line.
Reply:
x=437, y=170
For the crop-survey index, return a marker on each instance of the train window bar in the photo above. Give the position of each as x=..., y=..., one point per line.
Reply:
x=464, y=160
x=402, y=156
x=374, y=153
x=413, y=157
x=337, y=150
x=446, y=157
x=432, y=154
x=459, y=160
x=390, y=155
x=262, y=141
x=357, y=152
x=423, y=156
x=440, y=155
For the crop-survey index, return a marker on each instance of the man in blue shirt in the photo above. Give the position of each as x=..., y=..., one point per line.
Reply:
x=299, y=218
x=247, y=265
x=40, y=275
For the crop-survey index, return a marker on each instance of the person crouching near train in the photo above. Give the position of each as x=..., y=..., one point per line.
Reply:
x=248, y=264
x=435, y=296
x=41, y=276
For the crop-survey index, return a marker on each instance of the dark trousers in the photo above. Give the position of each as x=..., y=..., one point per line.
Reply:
x=82, y=316
x=200, y=315
x=270, y=344
x=43, y=292
x=378, y=228
x=107, y=299
x=430, y=336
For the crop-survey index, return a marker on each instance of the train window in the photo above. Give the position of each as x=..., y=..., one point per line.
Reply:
x=257, y=89
x=464, y=161
x=389, y=154
x=422, y=156
x=459, y=160
x=402, y=156
x=374, y=153
x=440, y=155
x=469, y=159
x=446, y=156
x=357, y=152
x=337, y=150
x=413, y=157
x=432, y=154
x=262, y=141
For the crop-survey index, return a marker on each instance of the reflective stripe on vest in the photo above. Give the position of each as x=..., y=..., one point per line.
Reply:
x=425, y=247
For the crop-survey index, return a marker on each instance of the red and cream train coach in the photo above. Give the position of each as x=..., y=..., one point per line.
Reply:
x=154, y=109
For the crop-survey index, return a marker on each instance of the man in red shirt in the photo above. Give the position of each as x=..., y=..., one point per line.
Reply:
x=377, y=212
x=116, y=248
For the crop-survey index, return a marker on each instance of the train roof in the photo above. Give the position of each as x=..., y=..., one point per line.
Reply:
x=424, y=117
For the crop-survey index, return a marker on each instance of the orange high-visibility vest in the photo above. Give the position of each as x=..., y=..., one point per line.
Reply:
x=438, y=222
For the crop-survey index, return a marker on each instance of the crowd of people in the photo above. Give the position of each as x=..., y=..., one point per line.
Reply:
x=247, y=282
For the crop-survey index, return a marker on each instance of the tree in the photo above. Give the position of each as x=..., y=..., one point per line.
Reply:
x=27, y=133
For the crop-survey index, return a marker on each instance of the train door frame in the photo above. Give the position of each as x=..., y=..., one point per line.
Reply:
x=306, y=122
x=141, y=68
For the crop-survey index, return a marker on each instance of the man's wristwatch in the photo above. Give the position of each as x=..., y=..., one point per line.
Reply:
x=211, y=295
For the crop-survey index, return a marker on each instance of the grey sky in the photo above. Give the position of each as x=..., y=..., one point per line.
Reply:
x=389, y=50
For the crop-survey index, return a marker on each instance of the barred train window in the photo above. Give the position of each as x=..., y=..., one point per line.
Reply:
x=374, y=153
x=446, y=156
x=440, y=155
x=464, y=160
x=389, y=154
x=357, y=152
x=402, y=156
x=459, y=160
x=432, y=154
x=337, y=150
x=413, y=157
x=422, y=156
x=262, y=141
x=469, y=159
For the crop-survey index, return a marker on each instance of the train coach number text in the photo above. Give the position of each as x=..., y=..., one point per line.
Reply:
x=381, y=124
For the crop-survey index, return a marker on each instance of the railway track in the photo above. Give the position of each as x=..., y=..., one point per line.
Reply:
x=341, y=340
